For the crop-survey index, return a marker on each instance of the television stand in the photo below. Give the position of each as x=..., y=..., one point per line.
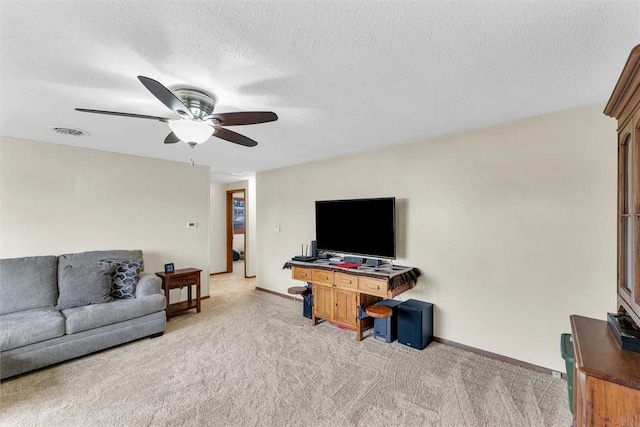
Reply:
x=340, y=293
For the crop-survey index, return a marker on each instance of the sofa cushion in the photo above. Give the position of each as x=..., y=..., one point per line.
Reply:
x=28, y=283
x=85, y=284
x=29, y=327
x=125, y=276
x=94, y=257
x=80, y=319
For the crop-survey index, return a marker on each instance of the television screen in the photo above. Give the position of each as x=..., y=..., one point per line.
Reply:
x=365, y=227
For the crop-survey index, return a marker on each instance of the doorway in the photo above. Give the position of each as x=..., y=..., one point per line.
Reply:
x=236, y=232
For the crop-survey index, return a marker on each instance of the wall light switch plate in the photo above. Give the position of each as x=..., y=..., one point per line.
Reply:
x=277, y=228
x=192, y=225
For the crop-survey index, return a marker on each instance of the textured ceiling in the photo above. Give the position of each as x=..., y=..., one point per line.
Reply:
x=342, y=77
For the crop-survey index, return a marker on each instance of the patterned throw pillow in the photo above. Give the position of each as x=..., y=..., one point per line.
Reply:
x=125, y=277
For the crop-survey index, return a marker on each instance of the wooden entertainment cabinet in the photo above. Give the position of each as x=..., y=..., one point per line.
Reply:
x=339, y=292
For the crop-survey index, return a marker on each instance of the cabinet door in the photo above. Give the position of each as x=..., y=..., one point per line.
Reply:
x=623, y=105
x=323, y=301
x=629, y=218
x=346, y=310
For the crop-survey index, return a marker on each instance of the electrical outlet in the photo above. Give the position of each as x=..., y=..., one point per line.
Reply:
x=556, y=374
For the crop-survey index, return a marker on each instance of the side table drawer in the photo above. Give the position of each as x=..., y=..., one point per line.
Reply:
x=179, y=282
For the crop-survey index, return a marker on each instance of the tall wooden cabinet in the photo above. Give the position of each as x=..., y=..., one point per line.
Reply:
x=606, y=388
x=624, y=105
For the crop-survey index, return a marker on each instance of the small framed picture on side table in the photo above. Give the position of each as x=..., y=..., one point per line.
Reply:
x=168, y=268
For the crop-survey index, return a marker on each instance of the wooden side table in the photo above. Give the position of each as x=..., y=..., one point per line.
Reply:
x=178, y=279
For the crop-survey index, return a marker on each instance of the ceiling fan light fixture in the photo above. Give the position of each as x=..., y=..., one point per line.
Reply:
x=191, y=130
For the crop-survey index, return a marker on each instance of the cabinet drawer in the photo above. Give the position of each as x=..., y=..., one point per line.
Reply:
x=303, y=274
x=322, y=276
x=372, y=286
x=179, y=282
x=346, y=281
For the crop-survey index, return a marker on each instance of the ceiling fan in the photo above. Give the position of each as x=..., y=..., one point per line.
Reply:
x=197, y=122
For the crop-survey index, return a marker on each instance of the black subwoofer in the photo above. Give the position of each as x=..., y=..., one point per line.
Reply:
x=415, y=323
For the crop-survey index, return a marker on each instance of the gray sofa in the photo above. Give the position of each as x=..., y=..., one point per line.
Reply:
x=37, y=329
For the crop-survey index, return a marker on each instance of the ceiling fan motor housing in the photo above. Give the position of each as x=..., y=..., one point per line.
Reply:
x=199, y=103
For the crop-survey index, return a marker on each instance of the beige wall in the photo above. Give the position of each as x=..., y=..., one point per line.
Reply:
x=217, y=227
x=57, y=199
x=512, y=226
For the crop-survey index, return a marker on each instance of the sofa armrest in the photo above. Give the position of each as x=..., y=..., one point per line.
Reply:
x=148, y=284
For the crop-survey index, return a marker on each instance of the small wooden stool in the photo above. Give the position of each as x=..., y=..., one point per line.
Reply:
x=305, y=292
x=379, y=311
x=297, y=290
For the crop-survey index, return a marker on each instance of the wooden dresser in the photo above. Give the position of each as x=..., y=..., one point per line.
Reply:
x=606, y=390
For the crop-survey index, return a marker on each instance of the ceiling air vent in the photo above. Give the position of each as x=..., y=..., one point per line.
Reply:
x=68, y=131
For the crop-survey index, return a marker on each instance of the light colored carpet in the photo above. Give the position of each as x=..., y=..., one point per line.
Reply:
x=251, y=359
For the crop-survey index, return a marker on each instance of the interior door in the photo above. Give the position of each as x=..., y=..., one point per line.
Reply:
x=234, y=228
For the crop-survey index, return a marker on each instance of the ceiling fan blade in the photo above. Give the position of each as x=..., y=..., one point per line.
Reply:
x=115, y=113
x=165, y=96
x=243, y=118
x=231, y=136
x=172, y=138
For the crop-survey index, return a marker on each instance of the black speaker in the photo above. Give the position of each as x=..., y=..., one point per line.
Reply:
x=415, y=323
x=314, y=249
x=307, y=305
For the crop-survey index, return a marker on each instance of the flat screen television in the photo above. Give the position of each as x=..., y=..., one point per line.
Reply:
x=364, y=227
